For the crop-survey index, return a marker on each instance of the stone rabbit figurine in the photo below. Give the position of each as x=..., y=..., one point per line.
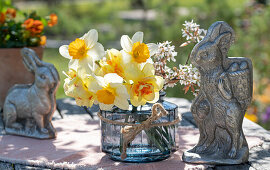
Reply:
x=28, y=108
x=225, y=93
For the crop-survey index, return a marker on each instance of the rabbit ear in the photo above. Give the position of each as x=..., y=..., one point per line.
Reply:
x=28, y=59
x=224, y=42
x=54, y=72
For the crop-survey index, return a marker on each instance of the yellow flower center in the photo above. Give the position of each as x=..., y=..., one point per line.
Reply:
x=140, y=52
x=77, y=49
x=143, y=88
x=106, y=95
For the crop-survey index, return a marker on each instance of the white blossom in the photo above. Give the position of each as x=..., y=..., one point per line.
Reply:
x=193, y=32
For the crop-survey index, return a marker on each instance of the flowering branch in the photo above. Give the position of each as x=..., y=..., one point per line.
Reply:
x=186, y=74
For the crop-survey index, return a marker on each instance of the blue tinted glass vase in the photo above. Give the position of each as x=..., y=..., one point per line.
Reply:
x=153, y=144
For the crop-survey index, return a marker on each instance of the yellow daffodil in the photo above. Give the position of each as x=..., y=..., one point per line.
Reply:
x=83, y=51
x=110, y=91
x=113, y=63
x=77, y=88
x=145, y=86
x=134, y=50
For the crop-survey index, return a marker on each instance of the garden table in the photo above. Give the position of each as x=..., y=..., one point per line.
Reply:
x=78, y=144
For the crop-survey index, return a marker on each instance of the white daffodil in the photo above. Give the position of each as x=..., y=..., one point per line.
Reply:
x=135, y=50
x=110, y=91
x=83, y=51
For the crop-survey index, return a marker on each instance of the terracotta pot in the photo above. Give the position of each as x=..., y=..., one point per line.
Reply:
x=12, y=70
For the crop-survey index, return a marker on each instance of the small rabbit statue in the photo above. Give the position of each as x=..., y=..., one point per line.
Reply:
x=220, y=106
x=28, y=108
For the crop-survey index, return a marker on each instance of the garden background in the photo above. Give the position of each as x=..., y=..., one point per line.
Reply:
x=162, y=20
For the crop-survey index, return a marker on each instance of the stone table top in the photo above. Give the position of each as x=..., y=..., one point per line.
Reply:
x=74, y=149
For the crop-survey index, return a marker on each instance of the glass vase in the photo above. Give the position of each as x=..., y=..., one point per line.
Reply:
x=153, y=144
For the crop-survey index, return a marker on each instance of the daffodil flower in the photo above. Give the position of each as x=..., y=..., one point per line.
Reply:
x=77, y=88
x=145, y=87
x=110, y=91
x=113, y=63
x=134, y=50
x=83, y=51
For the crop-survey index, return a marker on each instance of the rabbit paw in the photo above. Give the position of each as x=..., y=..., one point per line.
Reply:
x=220, y=83
x=232, y=152
x=193, y=150
x=201, y=149
x=44, y=131
x=16, y=125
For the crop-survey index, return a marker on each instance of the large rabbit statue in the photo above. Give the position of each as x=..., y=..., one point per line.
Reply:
x=28, y=108
x=225, y=93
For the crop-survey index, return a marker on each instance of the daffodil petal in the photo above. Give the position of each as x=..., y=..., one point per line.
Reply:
x=132, y=72
x=63, y=50
x=100, y=81
x=149, y=97
x=121, y=103
x=148, y=70
x=96, y=52
x=73, y=64
x=126, y=43
x=136, y=102
x=152, y=48
x=113, y=78
x=159, y=82
x=137, y=37
x=90, y=38
x=83, y=67
x=126, y=57
x=155, y=99
x=107, y=107
x=122, y=91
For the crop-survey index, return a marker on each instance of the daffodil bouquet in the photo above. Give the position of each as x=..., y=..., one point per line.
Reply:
x=113, y=77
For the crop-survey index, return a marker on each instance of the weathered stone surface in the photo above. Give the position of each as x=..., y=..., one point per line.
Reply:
x=23, y=167
x=259, y=157
x=6, y=166
x=235, y=167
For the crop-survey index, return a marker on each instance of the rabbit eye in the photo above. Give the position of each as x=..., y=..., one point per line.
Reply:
x=203, y=55
x=42, y=76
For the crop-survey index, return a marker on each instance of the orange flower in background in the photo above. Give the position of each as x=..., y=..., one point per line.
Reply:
x=11, y=12
x=251, y=117
x=53, y=20
x=28, y=23
x=37, y=27
x=34, y=26
x=43, y=40
x=2, y=18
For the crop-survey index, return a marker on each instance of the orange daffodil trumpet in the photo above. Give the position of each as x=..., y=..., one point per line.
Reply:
x=110, y=91
x=145, y=86
x=113, y=77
